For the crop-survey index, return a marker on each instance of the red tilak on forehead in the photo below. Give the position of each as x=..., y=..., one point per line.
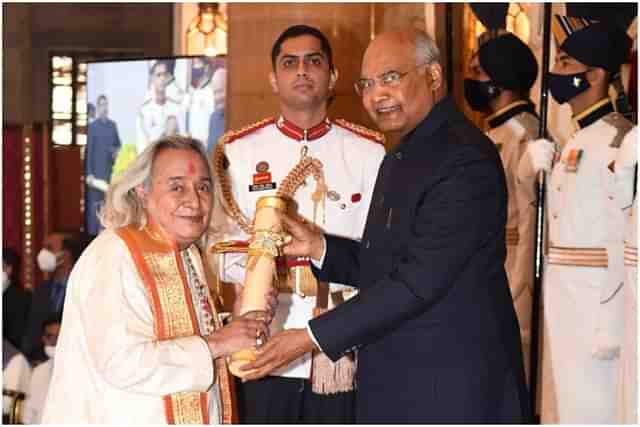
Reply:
x=191, y=167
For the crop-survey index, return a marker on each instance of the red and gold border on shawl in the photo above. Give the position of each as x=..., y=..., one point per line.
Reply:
x=186, y=408
x=154, y=258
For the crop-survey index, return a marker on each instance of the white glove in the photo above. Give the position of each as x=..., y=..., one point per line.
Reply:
x=540, y=153
x=98, y=184
x=626, y=161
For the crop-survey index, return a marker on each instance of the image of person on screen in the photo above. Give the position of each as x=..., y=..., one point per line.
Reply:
x=216, y=119
x=153, y=113
x=91, y=112
x=173, y=89
x=103, y=143
x=198, y=101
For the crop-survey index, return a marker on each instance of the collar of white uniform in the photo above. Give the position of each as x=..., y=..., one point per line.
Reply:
x=293, y=131
x=593, y=113
x=502, y=115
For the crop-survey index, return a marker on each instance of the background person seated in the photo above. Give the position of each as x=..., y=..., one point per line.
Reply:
x=16, y=373
x=15, y=299
x=59, y=253
x=41, y=376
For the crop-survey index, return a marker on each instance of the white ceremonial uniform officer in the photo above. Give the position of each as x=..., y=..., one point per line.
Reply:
x=626, y=174
x=199, y=100
x=584, y=266
x=500, y=77
x=258, y=159
x=152, y=117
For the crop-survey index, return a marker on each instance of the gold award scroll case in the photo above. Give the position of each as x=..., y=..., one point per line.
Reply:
x=261, y=268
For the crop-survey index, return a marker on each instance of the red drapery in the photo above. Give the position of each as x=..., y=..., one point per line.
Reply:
x=12, y=187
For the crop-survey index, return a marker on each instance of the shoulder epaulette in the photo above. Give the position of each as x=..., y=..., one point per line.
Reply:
x=232, y=135
x=364, y=132
x=622, y=125
x=531, y=125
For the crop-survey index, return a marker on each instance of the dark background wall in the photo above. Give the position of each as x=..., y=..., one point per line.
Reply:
x=31, y=32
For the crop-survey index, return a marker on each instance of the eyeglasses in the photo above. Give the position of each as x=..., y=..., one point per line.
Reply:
x=388, y=79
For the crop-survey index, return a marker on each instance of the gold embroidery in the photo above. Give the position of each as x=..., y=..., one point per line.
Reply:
x=174, y=316
x=171, y=294
x=371, y=135
x=186, y=408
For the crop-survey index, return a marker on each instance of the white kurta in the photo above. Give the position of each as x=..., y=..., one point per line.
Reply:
x=351, y=165
x=151, y=121
x=578, y=301
x=109, y=366
x=628, y=390
x=511, y=138
x=37, y=394
x=16, y=377
x=199, y=103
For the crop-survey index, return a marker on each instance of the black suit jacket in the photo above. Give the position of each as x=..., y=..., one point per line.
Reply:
x=434, y=323
x=15, y=308
x=41, y=310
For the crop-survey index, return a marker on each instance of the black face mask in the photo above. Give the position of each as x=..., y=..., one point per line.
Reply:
x=478, y=93
x=566, y=87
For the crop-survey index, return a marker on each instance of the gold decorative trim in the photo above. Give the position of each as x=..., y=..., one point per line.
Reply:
x=512, y=236
x=589, y=110
x=630, y=255
x=505, y=109
x=172, y=298
x=272, y=202
x=578, y=257
x=361, y=130
x=186, y=408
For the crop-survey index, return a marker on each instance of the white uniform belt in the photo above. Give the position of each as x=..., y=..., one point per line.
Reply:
x=578, y=257
x=512, y=236
x=630, y=255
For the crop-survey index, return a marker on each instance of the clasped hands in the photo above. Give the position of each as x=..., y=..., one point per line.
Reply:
x=303, y=239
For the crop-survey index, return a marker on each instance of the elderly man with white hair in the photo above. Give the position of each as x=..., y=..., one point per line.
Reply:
x=433, y=322
x=141, y=341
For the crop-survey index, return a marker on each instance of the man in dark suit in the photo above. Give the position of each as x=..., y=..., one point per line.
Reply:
x=15, y=299
x=101, y=152
x=434, y=325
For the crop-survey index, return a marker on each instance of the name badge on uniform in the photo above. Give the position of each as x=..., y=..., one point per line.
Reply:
x=262, y=187
x=262, y=178
x=573, y=159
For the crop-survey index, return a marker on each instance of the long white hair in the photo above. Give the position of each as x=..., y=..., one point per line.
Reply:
x=122, y=205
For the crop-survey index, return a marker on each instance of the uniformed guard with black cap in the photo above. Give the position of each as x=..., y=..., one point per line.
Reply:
x=584, y=270
x=500, y=76
x=627, y=198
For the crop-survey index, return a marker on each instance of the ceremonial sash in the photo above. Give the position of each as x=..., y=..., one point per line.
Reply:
x=161, y=269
